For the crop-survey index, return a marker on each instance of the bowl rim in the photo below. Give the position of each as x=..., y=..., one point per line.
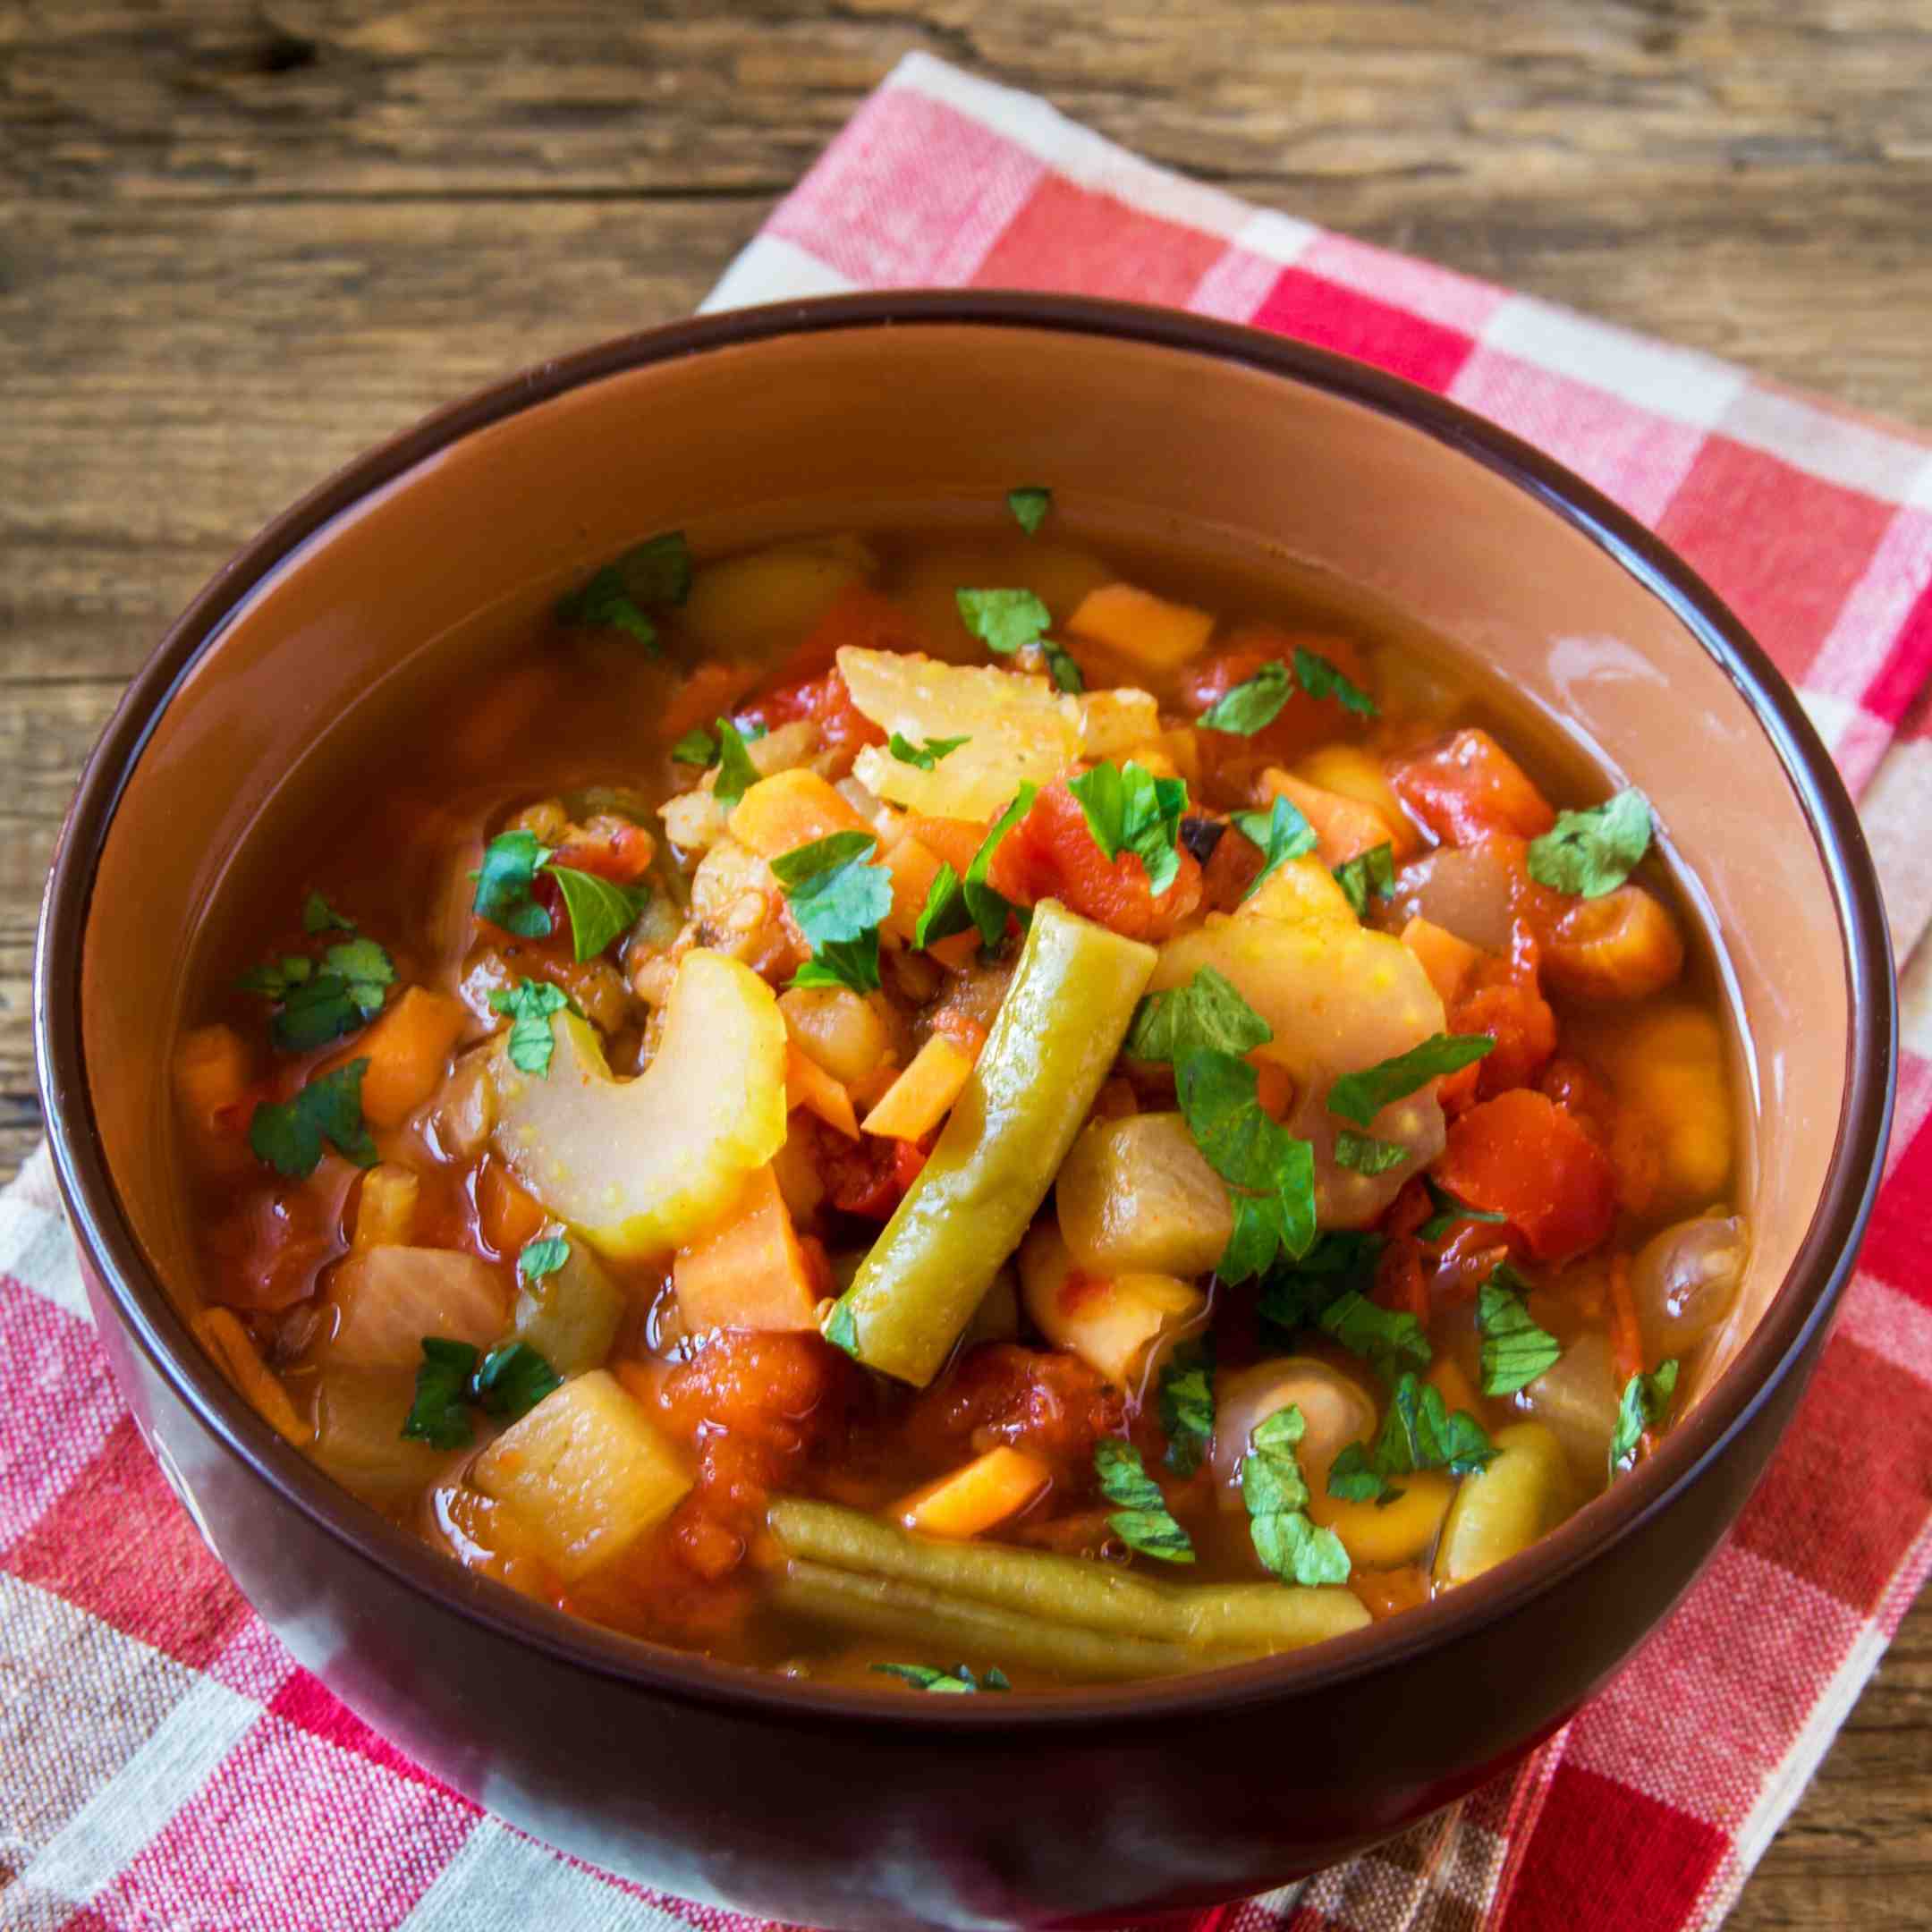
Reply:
x=1802, y=1304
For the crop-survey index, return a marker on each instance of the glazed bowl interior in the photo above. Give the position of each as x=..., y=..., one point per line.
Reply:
x=377, y=589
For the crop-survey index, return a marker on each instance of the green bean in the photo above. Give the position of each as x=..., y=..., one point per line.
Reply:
x=1058, y=1031
x=958, y=1627
x=1254, y=1618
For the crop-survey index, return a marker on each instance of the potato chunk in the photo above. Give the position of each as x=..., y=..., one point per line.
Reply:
x=585, y=1473
x=1113, y=1323
x=386, y=1300
x=1135, y=1196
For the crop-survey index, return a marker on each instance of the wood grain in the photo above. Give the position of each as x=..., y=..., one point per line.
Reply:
x=240, y=242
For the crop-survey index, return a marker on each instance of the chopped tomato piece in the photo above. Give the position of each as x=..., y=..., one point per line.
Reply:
x=870, y=1176
x=1232, y=867
x=1466, y=786
x=1522, y=1157
x=611, y=847
x=1050, y=1404
x=1524, y=1026
x=1301, y=723
x=1050, y=855
x=267, y=1251
x=842, y=728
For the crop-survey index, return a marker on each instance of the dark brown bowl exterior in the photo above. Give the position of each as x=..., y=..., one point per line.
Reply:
x=855, y=1809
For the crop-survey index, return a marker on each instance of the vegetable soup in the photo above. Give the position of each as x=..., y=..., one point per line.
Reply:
x=964, y=1106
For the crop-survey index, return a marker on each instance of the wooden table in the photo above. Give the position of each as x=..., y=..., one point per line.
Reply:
x=240, y=241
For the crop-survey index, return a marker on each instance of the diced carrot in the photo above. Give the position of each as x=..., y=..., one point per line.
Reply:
x=386, y=1208
x=791, y=808
x=707, y=694
x=956, y=953
x=954, y=842
x=1466, y=785
x=1447, y=959
x=989, y=1489
x=212, y=1070
x=225, y=1338
x=913, y=866
x=749, y=1272
x=1522, y=1157
x=923, y=1096
x=1346, y=826
x=407, y=1050
x=1356, y=772
x=1153, y=632
x=508, y=1218
x=808, y=1085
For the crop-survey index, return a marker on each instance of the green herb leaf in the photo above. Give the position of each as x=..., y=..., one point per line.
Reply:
x=1296, y=1294
x=1592, y=852
x=1514, y=1350
x=511, y=1381
x=1004, y=621
x=1030, y=505
x=1450, y=1213
x=1251, y=706
x=1363, y=1153
x=954, y=903
x=511, y=862
x=925, y=756
x=1281, y=833
x=1372, y=871
x=1418, y=1433
x=529, y=1003
x=1187, y=1405
x=697, y=747
x=439, y=1415
x=1321, y=679
x=945, y=912
x=1271, y=1174
x=1361, y=1097
x=601, y=911
x=841, y=1329
x=1646, y=1402
x=544, y=1256
x=654, y=572
x=837, y=901
x=1208, y=1012
x=365, y=970
x=1142, y=1521
x=1389, y=1340
x=953, y=1683
x=1276, y=1496
x=1060, y=667
x=736, y=772
x=319, y=916
x=278, y=977
x=1129, y=810
x=288, y=1135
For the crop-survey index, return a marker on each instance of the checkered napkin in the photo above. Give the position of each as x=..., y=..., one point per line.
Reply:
x=163, y=1763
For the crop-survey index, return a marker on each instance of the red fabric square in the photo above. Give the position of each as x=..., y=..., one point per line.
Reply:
x=1850, y=1487
x=1898, y=1238
x=1900, y=681
x=1783, y=548
x=119, y=1545
x=308, y=1702
x=1083, y=244
x=1603, y=1854
x=1318, y=310
x=290, y=1835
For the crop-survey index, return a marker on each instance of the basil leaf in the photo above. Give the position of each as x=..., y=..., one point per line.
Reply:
x=1363, y=1153
x=289, y=1135
x=1270, y=1171
x=1030, y=505
x=1361, y=1097
x=1208, y=1012
x=1389, y=1340
x=1128, y=808
x=543, y=1257
x=439, y=1415
x=1321, y=679
x=319, y=916
x=1281, y=833
x=1418, y=1433
x=1646, y=1402
x=926, y=755
x=1276, y=1496
x=1004, y=621
x=1515, y=1351
x=1251, y=706
x=736, y=772
x=1372, y=871
x=1187, y=1404
x=529, y=1003
x=511, y=862
x=1142, y=1521
x=1295, y=1294
x=601, y=911
x=1592, y=852
x=511, y=1381
x=837, y=901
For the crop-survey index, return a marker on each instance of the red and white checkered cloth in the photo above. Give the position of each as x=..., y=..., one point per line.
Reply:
x=163, y=1763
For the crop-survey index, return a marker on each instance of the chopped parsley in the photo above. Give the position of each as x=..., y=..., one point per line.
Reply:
x=601, y=911
x=1646, y=1402
x=651, y=574
x=1252, y=705
x=1142, y=1521
x=1418, y=1433
x=289, y=1134
x=529, y=1003
x=1277, y=1497
x=452, y=1379
x=504, y=882
x=1363, y=1153
x=1270, y=1174
x=1592, y=852
x=1295, y=1294
x=1321, y=679
x=1361, y=1097
x=318, y=916
x=544, y=1256
x=1208, y=1012
x=1060, y=667
x=1450, y=1213
x=1514, y=1350
x=925, y=756
x=955, y=1682
x=837, y=899
x=954, y=903
x=1281, y=833
x=1129, y=810
x=317, y=1006
x=1030, y=505
x=1004, y=621
x=1372, y=871
x=697, y=747
x=1187, y=1404
x=1390, y=1342
x=736, y=773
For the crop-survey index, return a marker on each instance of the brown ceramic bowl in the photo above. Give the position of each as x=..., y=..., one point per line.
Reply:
x=856, y=1809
